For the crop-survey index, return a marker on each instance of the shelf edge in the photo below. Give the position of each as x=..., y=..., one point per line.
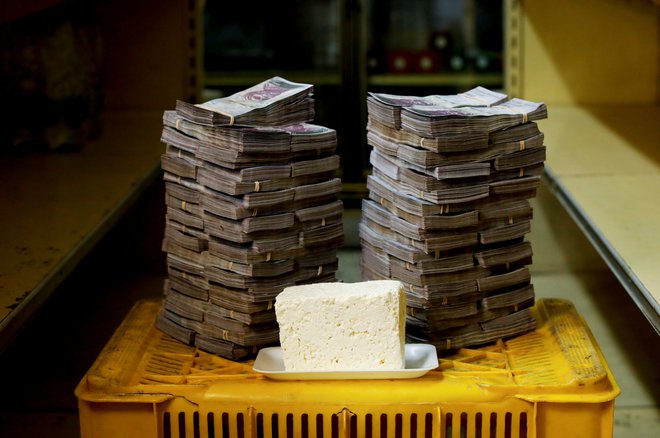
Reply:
x=13, y=323
x=628, y=279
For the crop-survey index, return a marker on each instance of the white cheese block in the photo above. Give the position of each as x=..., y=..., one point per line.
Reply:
x=342, y=326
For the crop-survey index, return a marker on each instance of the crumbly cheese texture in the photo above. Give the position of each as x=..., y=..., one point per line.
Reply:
x=342, y=326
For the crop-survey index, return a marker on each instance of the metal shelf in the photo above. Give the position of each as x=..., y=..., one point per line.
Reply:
x=604, y=168
x=56, y=207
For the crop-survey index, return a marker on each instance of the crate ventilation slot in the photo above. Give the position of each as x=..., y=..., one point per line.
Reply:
x=485, y=425
x=345, y=425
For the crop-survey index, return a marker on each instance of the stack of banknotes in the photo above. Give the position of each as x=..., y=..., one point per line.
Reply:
x=252, y=207
x=448, y=211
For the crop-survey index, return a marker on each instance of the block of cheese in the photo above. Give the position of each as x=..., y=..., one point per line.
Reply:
x=342, y=326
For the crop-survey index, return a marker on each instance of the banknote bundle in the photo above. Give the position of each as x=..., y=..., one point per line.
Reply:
x=274, y=102
x=252, y=207
x=448, y=211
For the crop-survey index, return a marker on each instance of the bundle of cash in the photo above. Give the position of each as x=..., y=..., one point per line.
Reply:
x=448, y=211
x=274, y=102
x=388, y=108
x=252, y=207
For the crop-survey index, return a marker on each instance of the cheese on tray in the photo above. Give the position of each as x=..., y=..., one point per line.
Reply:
x=342, y=326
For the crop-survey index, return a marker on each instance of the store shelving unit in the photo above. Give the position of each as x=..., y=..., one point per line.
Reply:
x=58, y=206
x=599, y=77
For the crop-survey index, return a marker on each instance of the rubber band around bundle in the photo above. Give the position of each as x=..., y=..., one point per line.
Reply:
x=268, y=255
x=323, y=222
x=225, y=335
x=522, y=145
x=320, y=271
x=522, y=172
x=510, y=220
x=448, y=344
x=445, y=300
x=525, y=117
x=183, y=205
x=176, y=125
x=270, y=305
x=257, y=186
x=231, y=117
x=254, y=212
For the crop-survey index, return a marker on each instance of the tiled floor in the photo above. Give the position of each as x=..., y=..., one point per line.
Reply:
x=43, y=366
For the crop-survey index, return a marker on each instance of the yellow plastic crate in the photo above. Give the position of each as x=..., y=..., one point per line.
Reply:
x=552, y=382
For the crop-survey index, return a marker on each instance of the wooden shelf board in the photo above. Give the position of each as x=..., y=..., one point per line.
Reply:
x=247, y=78
x=467, y=79
x=57, y=206
x=604, y=167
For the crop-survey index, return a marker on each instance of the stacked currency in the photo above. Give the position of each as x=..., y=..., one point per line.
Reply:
x=448, y=211
x=251, y=209
x=275, y=102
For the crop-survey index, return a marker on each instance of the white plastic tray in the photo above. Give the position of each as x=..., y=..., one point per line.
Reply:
x=420, y=359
